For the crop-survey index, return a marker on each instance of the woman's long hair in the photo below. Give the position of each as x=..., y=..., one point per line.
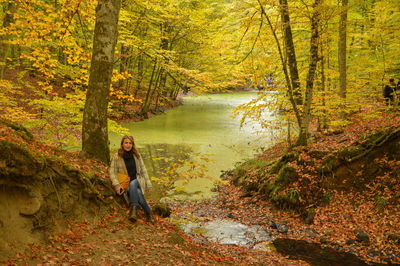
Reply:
x=121, y=150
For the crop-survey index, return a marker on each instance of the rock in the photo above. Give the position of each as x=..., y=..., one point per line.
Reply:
x=31, y=207
x=266, y=246
x=311, y=232
x=351, y=241
x=394, y=237
x=323, y=240
x=282, y=227
x=314, y=253
x=361, y=236
x=162, y=210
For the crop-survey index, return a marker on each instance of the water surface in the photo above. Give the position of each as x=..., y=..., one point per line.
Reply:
x=200, y=128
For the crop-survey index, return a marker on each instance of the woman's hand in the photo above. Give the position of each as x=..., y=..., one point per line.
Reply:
x=119, y=190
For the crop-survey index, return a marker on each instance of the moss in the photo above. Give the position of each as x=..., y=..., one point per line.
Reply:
x=288, y=200
x=294, y=196
x=326, y=198
x=329, y=163
x=380, y=203
x=162, y=210
x=20, y=130
x=257, y=164
x=348, y=154
x=266, y=188
x=288, y=157
x=318, y=154
x=19, y=160
x=285, y=175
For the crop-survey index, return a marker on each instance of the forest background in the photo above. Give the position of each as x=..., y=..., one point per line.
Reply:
x=333, y=56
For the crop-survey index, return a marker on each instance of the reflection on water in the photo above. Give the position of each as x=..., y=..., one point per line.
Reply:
x=158, y=157
x=200, y=131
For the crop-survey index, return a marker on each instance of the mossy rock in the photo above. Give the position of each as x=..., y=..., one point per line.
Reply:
x=326, y=198
x=289, y=200
x=162, y=210
x=348, y=154
x=328, y=164
x=288, y=157
x=285, y=175
x=17, y=160
x=20, y=130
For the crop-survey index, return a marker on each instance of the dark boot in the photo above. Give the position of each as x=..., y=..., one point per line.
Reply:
x=149, y=218
x=133, y=214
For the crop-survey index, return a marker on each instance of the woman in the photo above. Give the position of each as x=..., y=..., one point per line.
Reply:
x=128, y=173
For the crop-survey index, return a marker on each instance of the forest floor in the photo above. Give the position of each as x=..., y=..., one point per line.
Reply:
x=372, y=211
x=114, y=240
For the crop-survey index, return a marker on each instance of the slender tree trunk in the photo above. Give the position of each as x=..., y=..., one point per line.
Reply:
x=140, y=64
x=146, y=103
x=323, y=88
x=4, y=45
x=304, y=128
x=165, y=45
x=95, y=143
x=342, y=50
x=123, y=64
x=284, y=67
x=290, y=51
x=156, y=88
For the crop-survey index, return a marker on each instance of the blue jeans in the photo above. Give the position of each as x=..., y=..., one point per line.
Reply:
x=136, y=196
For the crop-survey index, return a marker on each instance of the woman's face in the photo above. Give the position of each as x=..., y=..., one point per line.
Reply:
x=127, y=145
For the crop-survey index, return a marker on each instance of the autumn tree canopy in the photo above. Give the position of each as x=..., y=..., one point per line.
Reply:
x=295, y=48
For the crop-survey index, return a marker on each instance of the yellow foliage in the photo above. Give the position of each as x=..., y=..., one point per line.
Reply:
x=9, y=109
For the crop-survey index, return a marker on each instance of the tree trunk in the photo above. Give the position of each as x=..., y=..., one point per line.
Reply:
x=290, y=51
x=123, y=64
x=95, y=143
x=323, y=88
x=4, y=45
x=342, y=49
x=305, y=121
x=147, y=102
x=156, y=86
x=140, y=72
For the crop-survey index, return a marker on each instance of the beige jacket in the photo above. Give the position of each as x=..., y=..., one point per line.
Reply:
x=142, y=176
